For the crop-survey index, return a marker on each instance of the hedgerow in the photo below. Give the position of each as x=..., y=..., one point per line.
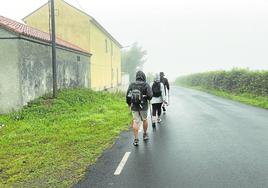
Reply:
x=236, y=81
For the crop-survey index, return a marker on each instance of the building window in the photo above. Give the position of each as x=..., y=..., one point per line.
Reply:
x=112, y=49
x=78, y=58
x=106, y=46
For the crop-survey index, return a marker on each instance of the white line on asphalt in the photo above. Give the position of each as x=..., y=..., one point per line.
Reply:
x=122, y=164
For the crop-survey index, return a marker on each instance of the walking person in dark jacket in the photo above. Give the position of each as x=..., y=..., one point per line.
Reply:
x=166, y=85
x=138, y=95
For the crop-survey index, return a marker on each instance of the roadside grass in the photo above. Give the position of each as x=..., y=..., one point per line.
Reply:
x=258, y=101
x=51, y=142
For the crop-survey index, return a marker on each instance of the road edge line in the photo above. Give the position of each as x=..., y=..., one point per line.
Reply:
x=122, y=164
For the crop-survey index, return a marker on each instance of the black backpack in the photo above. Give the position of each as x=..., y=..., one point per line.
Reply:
x=136, y=94
x=156, y=89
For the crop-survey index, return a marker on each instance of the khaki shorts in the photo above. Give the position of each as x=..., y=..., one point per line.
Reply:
x=139, y=117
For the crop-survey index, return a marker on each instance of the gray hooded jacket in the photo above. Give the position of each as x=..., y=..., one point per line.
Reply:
x=145, y=89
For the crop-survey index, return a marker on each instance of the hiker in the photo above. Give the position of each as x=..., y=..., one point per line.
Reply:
x=159, y=98
x=166, y=86
x=138, y=95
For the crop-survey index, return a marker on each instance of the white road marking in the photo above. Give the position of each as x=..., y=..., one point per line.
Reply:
x=122, y=164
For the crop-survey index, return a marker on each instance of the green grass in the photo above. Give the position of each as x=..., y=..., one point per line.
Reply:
x=258, y=101
x=50, y=143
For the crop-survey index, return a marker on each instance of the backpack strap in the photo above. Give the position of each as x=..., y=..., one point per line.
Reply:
x=141, y=116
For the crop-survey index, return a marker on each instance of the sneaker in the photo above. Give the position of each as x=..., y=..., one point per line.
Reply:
x=136, y=142
x=153, y=125
x=159, y=120
x=145, y=136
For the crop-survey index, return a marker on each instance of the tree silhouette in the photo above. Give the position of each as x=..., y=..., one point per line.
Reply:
x=133, y=59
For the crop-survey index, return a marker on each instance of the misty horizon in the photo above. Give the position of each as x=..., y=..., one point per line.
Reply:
x=180, y=37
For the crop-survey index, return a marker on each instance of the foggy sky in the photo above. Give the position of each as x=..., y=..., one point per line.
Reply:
x=180, y=36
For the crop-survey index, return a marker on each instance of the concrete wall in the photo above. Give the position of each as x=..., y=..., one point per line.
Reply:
x=10, y=98
x=73, y=70
x=36, y=70
x=125, y=79
x=26, y=71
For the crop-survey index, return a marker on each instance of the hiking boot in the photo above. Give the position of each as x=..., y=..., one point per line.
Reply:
x=159, y=120
x=136, y=142
x=145, y=136
x=153, y=125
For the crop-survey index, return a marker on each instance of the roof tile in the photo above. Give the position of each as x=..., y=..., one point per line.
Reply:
x=31, y=32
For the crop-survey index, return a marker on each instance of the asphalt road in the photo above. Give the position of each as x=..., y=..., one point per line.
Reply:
x=204, y=141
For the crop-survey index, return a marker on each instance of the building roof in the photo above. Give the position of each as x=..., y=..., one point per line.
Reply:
x=24, y=30
x=93, y=20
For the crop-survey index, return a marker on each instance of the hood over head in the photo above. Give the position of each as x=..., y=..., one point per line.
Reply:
x=140, y=76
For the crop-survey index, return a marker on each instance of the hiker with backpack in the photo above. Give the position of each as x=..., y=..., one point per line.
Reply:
x=158, y=99
x=166, y=88
x=138, y=95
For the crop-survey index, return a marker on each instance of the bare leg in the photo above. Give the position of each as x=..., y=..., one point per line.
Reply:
x=135, y=129
x=145, y=126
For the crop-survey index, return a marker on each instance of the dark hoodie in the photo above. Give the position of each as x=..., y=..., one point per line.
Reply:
x=164, y=81
x=145, y=89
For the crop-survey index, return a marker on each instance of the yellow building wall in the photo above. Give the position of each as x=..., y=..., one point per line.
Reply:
x=107, y=70
x=77, y=27
x=117, y=64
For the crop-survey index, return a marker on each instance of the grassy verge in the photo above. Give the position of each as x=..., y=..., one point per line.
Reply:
x=258, y=101
x=50, y=143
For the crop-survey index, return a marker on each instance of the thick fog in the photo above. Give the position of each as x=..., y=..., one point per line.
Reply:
x=180, y=36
